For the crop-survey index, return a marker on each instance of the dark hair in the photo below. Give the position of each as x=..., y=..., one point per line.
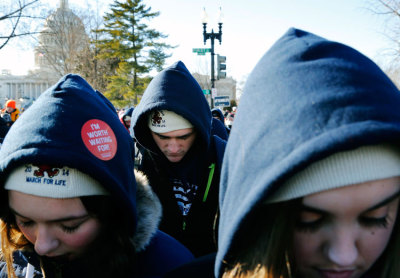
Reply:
x=112, y=254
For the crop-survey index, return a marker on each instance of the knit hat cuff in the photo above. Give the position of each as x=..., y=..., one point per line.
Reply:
x=364, y=164
x=162, y=121
x=53, y=182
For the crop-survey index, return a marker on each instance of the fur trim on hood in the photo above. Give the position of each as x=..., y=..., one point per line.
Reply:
x=149, y=212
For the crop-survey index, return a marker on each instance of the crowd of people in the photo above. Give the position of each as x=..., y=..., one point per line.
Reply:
x=304, y=184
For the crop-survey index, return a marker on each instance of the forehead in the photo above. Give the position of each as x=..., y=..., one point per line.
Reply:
x=44, y=208
x=178, y=133
x=361, y=196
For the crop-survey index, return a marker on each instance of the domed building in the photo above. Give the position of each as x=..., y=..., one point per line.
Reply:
x=62, y=37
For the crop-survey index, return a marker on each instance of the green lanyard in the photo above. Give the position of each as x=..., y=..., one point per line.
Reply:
x=210, y=177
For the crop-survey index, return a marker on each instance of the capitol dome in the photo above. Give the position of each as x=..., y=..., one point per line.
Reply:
x=62, y=36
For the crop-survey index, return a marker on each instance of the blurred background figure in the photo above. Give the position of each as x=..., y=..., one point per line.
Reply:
x=219, y=115
x=125, y=117
x=10, y=112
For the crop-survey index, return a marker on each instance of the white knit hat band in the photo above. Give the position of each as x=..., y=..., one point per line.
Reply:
x=53, y=182
x=364, y=164
x=161, y=121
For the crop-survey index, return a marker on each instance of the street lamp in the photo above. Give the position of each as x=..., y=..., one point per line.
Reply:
x=212, y=36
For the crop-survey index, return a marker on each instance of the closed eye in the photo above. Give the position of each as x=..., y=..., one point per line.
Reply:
x=378, y=222
x=309, y=221
x=25, y=223
x=71, y=229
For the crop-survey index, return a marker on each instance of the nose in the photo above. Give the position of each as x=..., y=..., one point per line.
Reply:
x=45, y=243
x=342, y=249
x=173, y=146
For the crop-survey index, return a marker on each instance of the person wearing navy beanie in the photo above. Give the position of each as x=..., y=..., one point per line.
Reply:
x=71, y=203
x=310, y=182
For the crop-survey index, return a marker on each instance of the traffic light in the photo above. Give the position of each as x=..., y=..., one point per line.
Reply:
x=221, y=67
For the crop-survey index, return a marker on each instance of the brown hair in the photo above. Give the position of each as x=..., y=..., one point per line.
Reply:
x=263, y=251
x=265, y=246
x=113, y=250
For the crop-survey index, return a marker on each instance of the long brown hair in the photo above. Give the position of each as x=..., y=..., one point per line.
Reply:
x=112, y=254
x=264, y=248
x=265, y=244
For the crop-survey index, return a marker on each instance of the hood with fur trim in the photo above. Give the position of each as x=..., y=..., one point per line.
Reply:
x=149, y=212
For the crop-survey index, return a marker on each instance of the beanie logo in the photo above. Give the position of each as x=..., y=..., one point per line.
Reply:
x=157, y=118
x=38, y=176
x=99, y=139
x=51, y=171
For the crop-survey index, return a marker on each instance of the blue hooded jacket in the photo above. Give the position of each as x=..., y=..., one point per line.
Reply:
x=73, y=125
x=127, y=113
x=51, y=132
x=218, y=129
x=176, y=90
x=306, y=99
x=216, y=112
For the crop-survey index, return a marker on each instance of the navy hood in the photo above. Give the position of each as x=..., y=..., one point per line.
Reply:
x=306, y=99
x=218, y=129
x=73, y=125
x=216, y=112
x=128, y=112
x=176, y=90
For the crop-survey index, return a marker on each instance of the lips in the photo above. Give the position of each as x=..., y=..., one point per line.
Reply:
x=336, y=274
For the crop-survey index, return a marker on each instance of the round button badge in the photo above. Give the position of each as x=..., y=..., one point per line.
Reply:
x=99, y=139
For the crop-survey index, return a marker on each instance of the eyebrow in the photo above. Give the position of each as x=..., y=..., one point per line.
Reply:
x=374, y=207
x=64, y=219
x=184, y=135
x=384, y=201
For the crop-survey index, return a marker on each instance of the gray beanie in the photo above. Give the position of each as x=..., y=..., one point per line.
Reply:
x=363, y=164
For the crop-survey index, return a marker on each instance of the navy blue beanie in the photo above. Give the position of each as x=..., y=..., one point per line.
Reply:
x=73, y=125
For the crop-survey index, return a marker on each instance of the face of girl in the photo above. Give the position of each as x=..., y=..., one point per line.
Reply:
x=59, y=228
x=341, y=232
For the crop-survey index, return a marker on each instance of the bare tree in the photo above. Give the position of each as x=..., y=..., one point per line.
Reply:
x=17, y=18
x=389, y=10
x=89, y=65
x=61, y=40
